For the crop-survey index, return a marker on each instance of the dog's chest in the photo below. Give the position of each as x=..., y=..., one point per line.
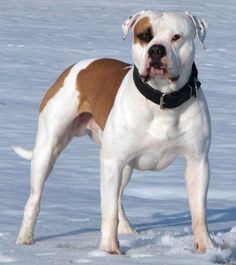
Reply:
x=159, y=145
x=152, y=159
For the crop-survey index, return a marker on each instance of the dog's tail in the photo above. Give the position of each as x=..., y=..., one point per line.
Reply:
x=26, y=154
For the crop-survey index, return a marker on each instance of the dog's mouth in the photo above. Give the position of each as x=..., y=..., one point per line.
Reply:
x=160, y=70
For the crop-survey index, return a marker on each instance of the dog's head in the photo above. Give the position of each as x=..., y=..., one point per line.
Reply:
x=163, y=43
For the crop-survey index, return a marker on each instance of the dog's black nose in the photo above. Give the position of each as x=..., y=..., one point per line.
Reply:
x=157, y=51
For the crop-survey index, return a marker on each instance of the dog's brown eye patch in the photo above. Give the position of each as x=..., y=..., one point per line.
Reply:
x=143, y=31
x=145, y=36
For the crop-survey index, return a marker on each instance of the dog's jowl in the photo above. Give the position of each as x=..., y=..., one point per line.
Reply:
x=143, y=115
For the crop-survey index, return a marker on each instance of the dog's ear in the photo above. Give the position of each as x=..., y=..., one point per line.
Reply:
x=200, y=25
x=129, y=23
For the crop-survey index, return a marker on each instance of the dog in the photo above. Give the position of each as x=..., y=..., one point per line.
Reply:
x=143, y=116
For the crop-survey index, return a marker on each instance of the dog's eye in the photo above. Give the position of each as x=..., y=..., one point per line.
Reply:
x=176, y=37
x=145, y=36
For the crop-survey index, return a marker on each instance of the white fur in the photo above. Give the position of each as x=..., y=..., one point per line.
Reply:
x=23, y=153
x=138, y=134
x=153, y=138
x=55, y=130
x=130, y=22
x=200, y=26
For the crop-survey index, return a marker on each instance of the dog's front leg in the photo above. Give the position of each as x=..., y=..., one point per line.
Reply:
x=111, y=171
x=197, y=180
x=124, y=226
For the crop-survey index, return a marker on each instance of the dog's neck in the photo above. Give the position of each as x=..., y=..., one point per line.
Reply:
x=171, y=98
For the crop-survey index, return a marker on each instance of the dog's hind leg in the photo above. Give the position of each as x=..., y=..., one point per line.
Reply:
x=124, y=226
x=52, y=138
x=59, y=121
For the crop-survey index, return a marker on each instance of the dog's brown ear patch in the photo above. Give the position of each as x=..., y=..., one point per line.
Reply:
x=54, y=88
x=98, y=85
x=143, y=31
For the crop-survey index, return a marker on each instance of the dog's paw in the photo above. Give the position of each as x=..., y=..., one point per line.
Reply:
x=200, y=248
x=25, y=240
x=112, y=249
x=203, y=247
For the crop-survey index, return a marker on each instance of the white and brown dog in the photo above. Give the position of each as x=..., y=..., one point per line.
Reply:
x=143, y=116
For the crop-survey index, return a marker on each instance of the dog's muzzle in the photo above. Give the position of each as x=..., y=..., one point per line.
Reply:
x=156, y=53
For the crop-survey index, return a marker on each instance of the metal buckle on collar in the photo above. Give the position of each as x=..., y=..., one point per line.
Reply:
x=162, y=101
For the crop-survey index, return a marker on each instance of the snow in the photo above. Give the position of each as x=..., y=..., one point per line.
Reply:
x=41, y=38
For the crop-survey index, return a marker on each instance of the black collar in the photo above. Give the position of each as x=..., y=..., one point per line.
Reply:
x=170, y=100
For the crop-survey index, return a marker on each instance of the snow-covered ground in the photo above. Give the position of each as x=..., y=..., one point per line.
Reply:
x=39, y=39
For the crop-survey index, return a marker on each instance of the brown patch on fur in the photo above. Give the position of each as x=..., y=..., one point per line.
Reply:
x=142, y=26
x=54, y=88
x=98, y=85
